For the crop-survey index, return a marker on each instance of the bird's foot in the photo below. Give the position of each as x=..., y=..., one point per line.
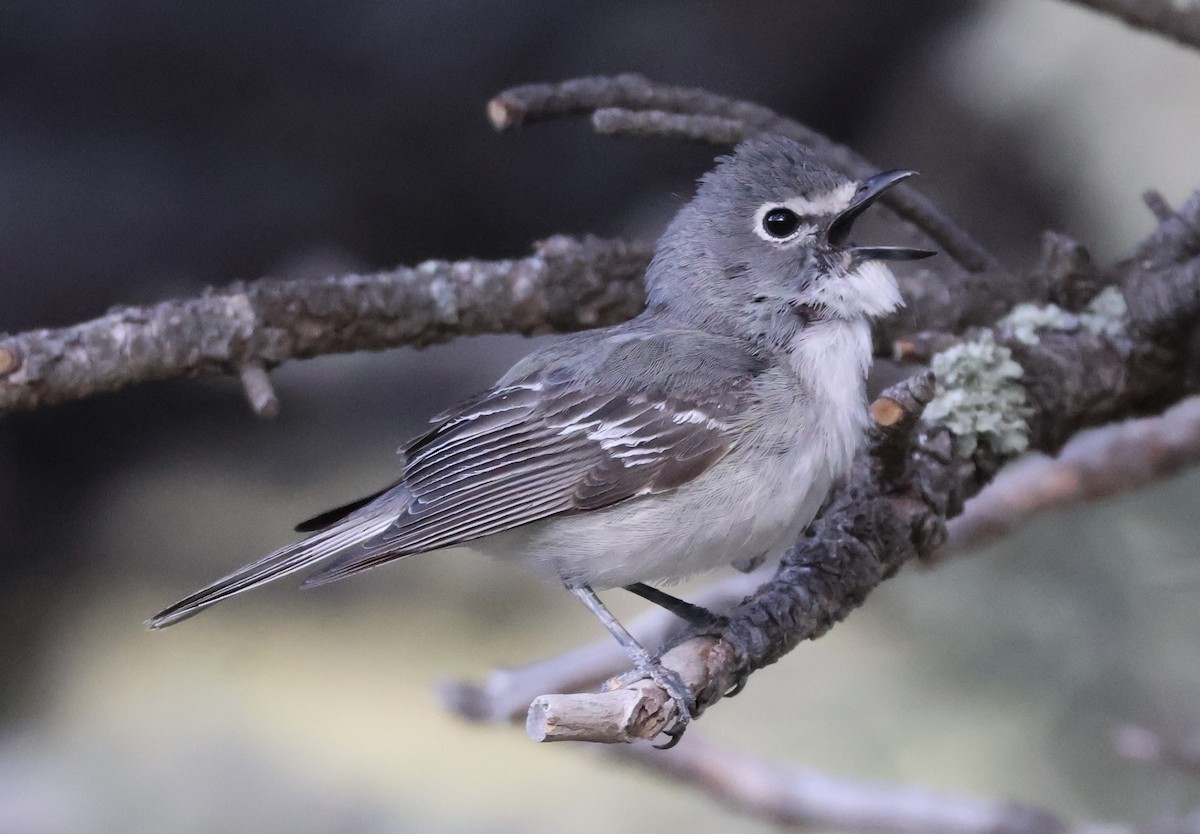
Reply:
x=671, y=683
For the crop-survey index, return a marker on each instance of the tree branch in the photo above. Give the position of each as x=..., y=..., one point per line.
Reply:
x=610, y=121
x=791, y=796
x=246, y=329
x=1180, y=23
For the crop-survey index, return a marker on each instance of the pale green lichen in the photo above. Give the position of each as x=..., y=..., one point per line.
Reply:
x=980, y=397
x=1105, y=313
x=1024, y=320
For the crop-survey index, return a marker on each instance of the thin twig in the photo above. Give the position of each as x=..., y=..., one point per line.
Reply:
x=624, y=95
x=1141, y=744
x=1157, y=204
x=1179, y=22
x=256, y=383
x=715, y=130
x=792, y=796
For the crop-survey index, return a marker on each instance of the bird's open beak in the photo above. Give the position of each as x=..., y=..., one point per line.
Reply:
x=870, y=190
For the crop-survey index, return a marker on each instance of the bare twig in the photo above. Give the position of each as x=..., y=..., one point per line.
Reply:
x=712, y=129
x=248, y=328
x=1141, y=744
x=792, y=796
x=630, y=103
x=1096, y=464
x=1157, y=204
x=895, y=413
x=256, y=382
x=919, y=348
x=1179, y=22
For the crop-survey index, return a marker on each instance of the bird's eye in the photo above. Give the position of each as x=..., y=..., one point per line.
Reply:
x=780, y=223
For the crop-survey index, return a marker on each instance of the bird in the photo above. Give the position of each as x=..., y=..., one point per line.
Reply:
x=707, y=431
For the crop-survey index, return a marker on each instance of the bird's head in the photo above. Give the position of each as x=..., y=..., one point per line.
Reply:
x=766, y=243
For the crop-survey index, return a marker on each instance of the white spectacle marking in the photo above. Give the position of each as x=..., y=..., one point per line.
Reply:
x=821, y=205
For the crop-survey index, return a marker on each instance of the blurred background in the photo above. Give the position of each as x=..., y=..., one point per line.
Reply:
x=148, y=149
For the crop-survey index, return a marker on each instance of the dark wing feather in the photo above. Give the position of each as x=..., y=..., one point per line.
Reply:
x=528, y=452
x=331, y=517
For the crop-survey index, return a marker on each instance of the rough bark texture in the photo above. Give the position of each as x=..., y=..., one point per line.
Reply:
x=566, y=285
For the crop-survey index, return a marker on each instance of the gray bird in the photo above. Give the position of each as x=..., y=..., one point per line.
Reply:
x=705, y=432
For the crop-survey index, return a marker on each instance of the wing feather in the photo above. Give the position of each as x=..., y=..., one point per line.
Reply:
x=530, y=452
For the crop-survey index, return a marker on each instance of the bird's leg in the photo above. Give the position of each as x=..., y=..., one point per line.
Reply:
x=694, y=615
x=643, y=661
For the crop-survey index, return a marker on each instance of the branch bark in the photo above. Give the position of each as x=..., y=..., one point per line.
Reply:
x=246, y=329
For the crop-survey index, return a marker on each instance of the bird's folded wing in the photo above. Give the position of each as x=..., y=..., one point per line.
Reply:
x=530, y=451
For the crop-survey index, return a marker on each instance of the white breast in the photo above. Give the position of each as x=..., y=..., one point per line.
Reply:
x=830, y=359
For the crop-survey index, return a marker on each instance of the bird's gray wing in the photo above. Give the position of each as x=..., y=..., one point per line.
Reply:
x=533, y=450
x=648, y=411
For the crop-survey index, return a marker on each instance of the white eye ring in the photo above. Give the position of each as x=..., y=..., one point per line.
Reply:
x=788, y=224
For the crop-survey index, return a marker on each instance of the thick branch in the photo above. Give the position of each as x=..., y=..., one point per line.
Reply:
x=1180, y=23
x=247, y=328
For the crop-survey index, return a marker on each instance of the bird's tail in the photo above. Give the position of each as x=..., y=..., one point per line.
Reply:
x=352, y=530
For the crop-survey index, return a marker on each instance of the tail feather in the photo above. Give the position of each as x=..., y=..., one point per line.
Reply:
x=294, y=557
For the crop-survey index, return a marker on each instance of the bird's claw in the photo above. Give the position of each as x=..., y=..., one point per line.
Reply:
x=739, y=684
x=673, y=735
x=671, y=683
